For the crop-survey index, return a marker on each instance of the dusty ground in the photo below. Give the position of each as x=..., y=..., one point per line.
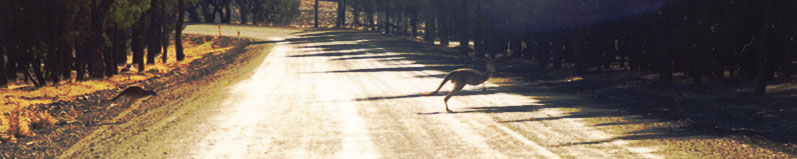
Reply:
x=346, y=94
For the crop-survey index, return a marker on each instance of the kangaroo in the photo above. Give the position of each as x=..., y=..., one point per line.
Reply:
x=461, y=77
x=134, y=93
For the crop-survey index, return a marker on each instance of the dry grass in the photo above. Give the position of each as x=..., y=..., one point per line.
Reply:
x=18, y=119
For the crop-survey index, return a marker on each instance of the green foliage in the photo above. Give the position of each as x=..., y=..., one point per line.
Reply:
x=125, y=13
x=278, y=12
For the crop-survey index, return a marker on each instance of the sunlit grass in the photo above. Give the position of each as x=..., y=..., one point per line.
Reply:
x=17, y=120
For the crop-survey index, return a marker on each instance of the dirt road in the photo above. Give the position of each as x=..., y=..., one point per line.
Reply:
x=330, y=94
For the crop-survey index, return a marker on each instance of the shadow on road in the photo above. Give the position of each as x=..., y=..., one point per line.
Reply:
x=369, y=45
x=647, y=134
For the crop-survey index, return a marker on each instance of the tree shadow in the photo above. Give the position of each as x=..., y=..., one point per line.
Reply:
x=376, y=43
x=580, y=114
x=441, y=93
x=330, y=54
x=428, y=54
x=646, y=134
x=263, y=42
x=394, y=69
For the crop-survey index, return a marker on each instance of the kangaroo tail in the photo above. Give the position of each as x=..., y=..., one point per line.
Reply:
x=448, y=77
x=117, y=97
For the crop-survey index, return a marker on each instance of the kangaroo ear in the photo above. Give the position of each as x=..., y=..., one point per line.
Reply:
x=498, y=59
x=492, y=60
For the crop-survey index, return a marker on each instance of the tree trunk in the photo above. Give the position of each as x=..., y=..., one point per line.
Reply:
x=120, y=46
x=26, y=63
x=96, y=40
x=464, y=43
x=243, y=10
x=165, y=46
x=108, y=53
x=315, y=17
x=514, y=46
x=356, y=14
x=442, y=23
x=137, y=43
x=165, y=19
x=178, y=31
x=51, y=61
x=576, y=41
x=66, y=58
x=80, y=58
x=227, y=12
x=558, y=54
x=341, y=17
x=37, y=70
x=478, y=39
x=666, y=32
x=387, y=17
x=429, y=29
x=193, y=15
x=154, y=37
x=370, y=11
x=762, y=58
x=208, y=13
x=401, y=20
x=414, y=21
x=3, y=66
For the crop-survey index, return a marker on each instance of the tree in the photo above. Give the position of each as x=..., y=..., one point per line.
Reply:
x=96, y=40
x=154, y=35
x=762, y=58
x=243, y=7
x=178, y=31
x=341, y=17
x=137, y=42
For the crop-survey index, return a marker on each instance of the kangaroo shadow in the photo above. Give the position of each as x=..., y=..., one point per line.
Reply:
x=493, y=109
x=441, y=93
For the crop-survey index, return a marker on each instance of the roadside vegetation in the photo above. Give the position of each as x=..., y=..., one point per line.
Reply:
x=23, y=105
x=53, y=51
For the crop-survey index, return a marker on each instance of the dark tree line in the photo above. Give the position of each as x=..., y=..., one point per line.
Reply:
x=268, y=12
x=56, y=40
x=703, y=40
x=48, y=41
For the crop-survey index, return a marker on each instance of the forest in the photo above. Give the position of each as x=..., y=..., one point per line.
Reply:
x=698, y=41
x=45, y=42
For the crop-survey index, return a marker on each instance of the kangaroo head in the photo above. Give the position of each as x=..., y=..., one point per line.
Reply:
x=490, y=64
x=490, y=67
x=153, y=93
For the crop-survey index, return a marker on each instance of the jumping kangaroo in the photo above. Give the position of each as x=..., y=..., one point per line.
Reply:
x=462, y=76
x=134, y=93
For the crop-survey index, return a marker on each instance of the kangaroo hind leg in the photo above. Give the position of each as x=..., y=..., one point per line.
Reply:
x=457, y=87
